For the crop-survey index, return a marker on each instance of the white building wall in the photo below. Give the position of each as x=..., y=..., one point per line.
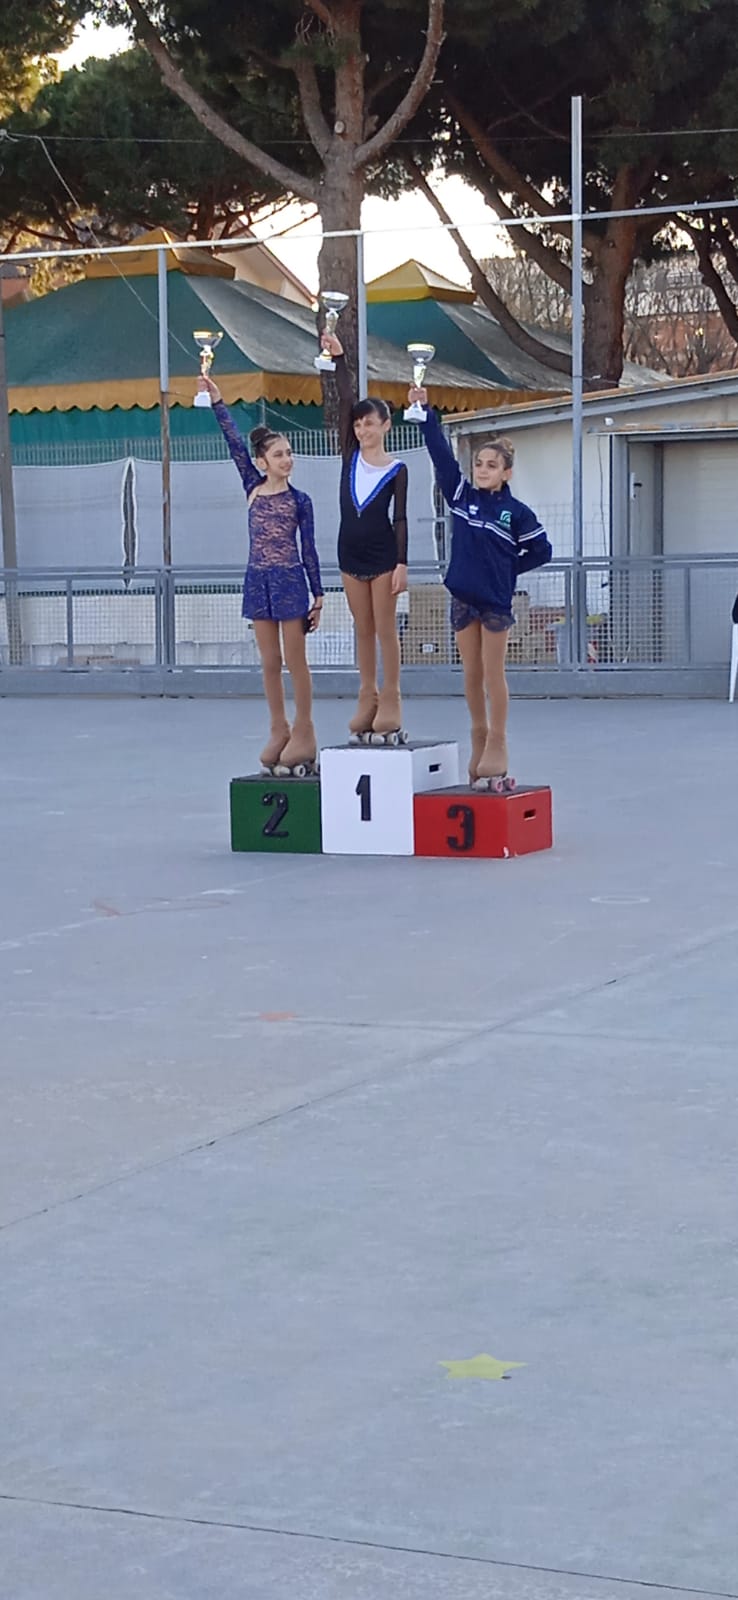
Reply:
x=706, y=471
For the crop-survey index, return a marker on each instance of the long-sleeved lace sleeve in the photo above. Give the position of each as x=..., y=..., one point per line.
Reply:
x=399, y=515
x=307, y=546
x=239, y=454
x=346, y=399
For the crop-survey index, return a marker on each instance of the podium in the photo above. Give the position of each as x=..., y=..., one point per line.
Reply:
x=371, y=800
x=368, y=791
x=469, y=822
x=276, y=816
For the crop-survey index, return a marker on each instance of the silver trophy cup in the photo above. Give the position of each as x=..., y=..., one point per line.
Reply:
x=207, y=343
x=422, y=355
x=333, y=303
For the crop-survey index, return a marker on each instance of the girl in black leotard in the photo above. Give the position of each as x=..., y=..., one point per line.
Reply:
x=372, y=549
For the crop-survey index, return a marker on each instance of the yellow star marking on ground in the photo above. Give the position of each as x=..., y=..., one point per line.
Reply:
x=480, y=1367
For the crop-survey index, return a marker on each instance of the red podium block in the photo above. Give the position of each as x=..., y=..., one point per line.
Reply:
x=470, y=822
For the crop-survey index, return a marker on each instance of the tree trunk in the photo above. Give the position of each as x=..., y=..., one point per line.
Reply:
x=604, y=301
x=340, y=199
x=604, y=297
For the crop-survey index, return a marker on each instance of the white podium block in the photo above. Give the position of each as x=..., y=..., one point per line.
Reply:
x=366, y=794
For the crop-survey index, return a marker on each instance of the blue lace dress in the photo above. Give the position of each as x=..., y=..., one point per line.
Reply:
x=275, y=587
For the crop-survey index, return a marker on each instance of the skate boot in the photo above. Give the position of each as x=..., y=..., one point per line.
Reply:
x=492, y=768
x=299, y=756
x=478, y=742
x=274, y=746
x=360, y=726
x=387, y=725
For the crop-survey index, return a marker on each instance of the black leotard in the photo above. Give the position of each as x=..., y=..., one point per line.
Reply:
x=369, y=541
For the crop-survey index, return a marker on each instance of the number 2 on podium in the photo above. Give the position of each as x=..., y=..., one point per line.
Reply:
x=364, y=791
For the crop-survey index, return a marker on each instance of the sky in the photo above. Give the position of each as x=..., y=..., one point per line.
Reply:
x=396, y=230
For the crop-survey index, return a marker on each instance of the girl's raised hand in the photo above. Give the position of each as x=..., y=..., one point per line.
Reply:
x=414, y=393
x=206, y=386
x=332, y=344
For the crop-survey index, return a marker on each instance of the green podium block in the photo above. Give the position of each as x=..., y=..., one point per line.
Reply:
x=276, y=815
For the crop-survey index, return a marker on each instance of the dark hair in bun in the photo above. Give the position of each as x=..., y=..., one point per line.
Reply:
x=261, y=438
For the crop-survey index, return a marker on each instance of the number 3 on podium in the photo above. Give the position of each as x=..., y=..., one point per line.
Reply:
x=464, y=838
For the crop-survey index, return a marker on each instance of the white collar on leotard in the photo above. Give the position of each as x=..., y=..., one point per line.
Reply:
x=367, y=480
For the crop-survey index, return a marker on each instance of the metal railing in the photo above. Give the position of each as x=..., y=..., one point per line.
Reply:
x=640, y=613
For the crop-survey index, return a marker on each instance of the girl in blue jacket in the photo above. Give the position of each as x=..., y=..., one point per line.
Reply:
x=494, y=539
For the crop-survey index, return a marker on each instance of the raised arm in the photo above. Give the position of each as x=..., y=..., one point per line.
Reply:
x=237, y=447
x=346, y=396
x=448, y=471
x=307, y=545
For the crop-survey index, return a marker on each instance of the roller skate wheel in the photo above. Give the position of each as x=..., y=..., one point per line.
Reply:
x=394, y=739
x=301, y=770
x=404, y=737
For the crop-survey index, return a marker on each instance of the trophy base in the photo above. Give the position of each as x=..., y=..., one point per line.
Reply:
x=415, y=413
x=202, y=400
x=324, y=364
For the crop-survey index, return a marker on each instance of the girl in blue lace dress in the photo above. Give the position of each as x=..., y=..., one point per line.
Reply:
x=275, y=589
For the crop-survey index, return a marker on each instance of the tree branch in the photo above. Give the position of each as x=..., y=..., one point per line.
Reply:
x=545, y=257
x=507, y=174
x=728, y=247
x=557, y=360
x=385, y=82
x=312, y=111
x=321, y=11
x=710, y=276
x=212, y=120
x=372, y=148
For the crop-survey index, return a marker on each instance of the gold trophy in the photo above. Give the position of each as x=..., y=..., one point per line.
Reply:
x=422, y=355
x=333, y=303
x=207, y=343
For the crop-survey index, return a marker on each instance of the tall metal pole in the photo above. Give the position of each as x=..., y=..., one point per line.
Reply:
x=166, y=457
x=7, y=510
x=362, y=373
x=166, y=448
x=577, y=347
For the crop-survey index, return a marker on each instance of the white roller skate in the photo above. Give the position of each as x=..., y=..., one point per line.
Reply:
x=492, y=774
x=299, y=758
x=387, y=726
x=272, y=751
x=360, y=726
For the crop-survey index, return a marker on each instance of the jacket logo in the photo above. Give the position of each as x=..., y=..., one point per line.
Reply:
x=505, y=518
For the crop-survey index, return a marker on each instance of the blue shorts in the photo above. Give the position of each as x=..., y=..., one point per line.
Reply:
x=275, y=594
x=463, y=614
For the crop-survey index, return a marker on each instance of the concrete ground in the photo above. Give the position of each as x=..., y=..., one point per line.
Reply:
x=279, y=1137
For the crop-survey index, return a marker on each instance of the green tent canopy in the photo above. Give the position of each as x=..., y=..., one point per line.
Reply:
x=83, y=361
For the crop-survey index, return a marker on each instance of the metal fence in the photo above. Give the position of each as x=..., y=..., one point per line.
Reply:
x=652, y=613
x=190, y=447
